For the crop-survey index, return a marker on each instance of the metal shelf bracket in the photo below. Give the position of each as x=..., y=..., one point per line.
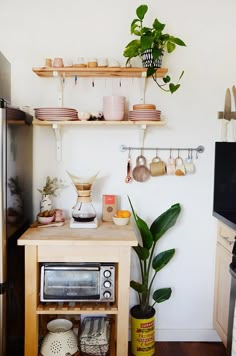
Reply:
x=57, y=131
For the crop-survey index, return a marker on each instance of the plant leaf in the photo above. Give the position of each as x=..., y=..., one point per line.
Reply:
x=142, y=252
x=146, y=42
x=158, y=25
x=151, y=71
x=170, y=47
x=144, y=230
x=137, y=286
x=141, y=11
x=166, y=79
x=177, y=41
x=131, y=51
x=160, y=295
x=182, y=73
x=173, y=87
x=165, y=221
x=162, y=259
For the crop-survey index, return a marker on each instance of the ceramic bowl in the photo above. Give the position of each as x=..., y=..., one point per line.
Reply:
x=45, y=219
x=84, y=115
x=120, y=221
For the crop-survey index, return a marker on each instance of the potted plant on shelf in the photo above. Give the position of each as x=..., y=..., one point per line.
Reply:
x=50, y=188
x=150, y=46
x=142, y=314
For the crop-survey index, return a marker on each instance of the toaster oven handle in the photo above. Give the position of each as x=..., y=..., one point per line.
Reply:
x=71, y=268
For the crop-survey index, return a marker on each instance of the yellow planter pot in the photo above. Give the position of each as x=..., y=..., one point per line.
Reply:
x=142, y=333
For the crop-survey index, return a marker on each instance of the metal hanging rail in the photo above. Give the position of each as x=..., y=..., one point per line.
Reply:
x=199, y=149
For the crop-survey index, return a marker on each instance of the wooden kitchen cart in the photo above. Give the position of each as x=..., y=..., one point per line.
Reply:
x=107, y=243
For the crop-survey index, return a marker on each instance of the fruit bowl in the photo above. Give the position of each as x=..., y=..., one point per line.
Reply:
x=120, y=221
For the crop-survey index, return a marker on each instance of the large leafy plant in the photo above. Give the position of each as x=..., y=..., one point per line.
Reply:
x=150, y=264
x=153, y=38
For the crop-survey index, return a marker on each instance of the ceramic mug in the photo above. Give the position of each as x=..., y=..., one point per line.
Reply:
x=58, y=62
x=179, y=167
x=170, y=167
x=102, y=62
x=189, y=165
x=157, y=167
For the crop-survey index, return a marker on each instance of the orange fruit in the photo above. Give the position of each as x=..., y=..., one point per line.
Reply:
x=123, y=214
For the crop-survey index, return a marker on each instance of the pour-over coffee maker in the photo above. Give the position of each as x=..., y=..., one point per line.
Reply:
x=83, y=214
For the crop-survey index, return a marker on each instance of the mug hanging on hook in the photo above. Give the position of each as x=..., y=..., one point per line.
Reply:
x=189, y=165
x=157, y=166
x=179, y=166
x=170, y=167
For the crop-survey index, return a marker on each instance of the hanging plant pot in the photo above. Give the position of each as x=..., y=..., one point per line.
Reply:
x=142, y=332
x=148, y=61
x=45, y=203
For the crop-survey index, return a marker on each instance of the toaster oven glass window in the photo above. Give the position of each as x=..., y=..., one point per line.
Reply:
x=77, y=284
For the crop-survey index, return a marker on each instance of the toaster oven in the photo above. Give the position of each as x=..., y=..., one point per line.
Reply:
x=86, y=282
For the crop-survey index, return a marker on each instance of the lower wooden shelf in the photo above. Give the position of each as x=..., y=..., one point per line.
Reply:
x=77, y=308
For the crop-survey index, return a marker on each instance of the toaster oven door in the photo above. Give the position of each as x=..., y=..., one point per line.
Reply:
x=77, y=284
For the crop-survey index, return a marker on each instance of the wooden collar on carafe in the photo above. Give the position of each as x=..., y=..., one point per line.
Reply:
x=84, y=196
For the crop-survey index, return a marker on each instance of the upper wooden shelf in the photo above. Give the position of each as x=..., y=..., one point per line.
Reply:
x=108, y=72
x=98, y=123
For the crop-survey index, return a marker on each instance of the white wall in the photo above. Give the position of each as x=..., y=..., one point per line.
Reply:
x=33, y=30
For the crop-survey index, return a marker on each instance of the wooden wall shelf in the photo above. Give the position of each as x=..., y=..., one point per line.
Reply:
x=98, y=123
x=109, y=72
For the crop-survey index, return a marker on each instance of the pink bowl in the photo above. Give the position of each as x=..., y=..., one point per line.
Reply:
x=114, y=115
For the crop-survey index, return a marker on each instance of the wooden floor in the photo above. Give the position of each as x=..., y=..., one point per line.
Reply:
x=189, y=349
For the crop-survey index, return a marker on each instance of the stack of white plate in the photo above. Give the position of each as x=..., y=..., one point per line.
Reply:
x=56, y=114
x=144, y=115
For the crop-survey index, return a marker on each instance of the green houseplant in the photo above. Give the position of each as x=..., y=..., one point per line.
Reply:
x=150, y=264
x=152, y=42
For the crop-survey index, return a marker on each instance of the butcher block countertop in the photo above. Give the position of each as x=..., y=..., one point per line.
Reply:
x=105, y=234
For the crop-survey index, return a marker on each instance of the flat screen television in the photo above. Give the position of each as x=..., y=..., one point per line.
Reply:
x=224, y=200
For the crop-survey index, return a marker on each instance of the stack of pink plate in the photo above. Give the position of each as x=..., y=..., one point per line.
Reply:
x=144, y=115
x=56, y=114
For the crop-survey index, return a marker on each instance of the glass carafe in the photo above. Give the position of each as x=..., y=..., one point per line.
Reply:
x=83, y=211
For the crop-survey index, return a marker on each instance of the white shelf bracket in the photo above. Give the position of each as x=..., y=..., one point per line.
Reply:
x=57, y=131
x=142, y=132
x=143, y=87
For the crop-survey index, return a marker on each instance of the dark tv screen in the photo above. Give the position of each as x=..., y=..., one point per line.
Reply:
x=224, y=202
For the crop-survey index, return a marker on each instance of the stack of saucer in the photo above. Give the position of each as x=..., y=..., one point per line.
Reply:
x=144, y=112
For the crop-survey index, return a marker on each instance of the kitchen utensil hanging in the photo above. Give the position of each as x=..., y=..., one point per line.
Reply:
x=128, y=177
x=228, y=116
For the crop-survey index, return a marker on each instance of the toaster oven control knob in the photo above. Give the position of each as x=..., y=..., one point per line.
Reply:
x=107, y=284
x=107, y=295
x=107, y=273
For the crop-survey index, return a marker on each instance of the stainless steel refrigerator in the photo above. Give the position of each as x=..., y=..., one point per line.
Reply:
x=15, y=212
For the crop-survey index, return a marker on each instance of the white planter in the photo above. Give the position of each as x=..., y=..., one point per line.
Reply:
x=45, y=203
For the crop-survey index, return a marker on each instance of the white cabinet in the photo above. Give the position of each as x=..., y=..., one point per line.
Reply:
x=225, y=240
